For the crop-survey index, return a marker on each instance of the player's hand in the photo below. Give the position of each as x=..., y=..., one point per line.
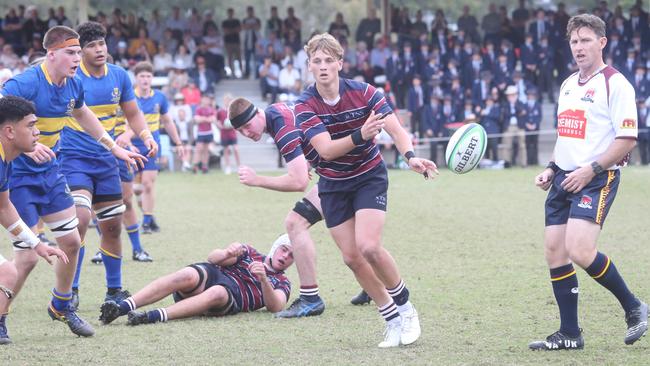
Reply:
x=46, y=252
x=578, y=179
x=236, y=249
x=544, y=179
x=372, y=126
x=179, y=150
x=424, y=166
x=124, y=139
x=152, y=147
x=132, y=159
x=258, y=270
x=247, y=176
x=41, y=154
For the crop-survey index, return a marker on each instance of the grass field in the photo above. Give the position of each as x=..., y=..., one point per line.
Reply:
x=469, y=248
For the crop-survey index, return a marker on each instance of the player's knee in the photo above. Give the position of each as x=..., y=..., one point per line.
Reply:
x=9, y=274
x=295, y=223
x=217, y=295
x=186, y=278
x=112, y=228
x=371, y=253
x=25, y=264
x=581, y=256
x=353, y=261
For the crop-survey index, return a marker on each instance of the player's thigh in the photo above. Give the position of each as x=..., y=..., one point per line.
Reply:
x=369, y=227
x=555, y=250
x=63, y=225
x=314, y=199
x=581, y=238
x=149, y=177
x=344, y=237
x=127, y=192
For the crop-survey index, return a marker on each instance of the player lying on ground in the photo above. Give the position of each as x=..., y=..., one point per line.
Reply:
x=233, y=280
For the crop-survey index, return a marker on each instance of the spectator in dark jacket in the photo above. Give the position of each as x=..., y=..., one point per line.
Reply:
x=432, y=125
x=534, y=120
x=491, y=121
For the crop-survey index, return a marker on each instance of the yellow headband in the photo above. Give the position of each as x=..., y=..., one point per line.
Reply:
x=67, y=43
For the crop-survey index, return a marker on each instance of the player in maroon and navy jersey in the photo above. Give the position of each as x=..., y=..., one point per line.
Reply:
x=278, y=121
x=353, y=179
x=233, y=280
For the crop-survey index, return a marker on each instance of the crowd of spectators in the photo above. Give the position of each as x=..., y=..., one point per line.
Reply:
x=497, y=68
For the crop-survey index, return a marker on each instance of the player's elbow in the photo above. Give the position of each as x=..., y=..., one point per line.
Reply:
x=300, y=183
x=274, y=308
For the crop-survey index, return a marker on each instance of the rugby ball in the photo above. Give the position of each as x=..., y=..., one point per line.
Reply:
x=466, y=148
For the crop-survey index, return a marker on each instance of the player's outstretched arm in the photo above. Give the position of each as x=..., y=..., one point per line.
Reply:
x=228, y=256
x=329, y=149
x=274, y=300
x=90, y=124
x=404, y=146
x=20, y=231
x=296, y=179
x=138, y=126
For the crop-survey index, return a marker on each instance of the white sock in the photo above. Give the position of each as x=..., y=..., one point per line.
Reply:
x=406, y=309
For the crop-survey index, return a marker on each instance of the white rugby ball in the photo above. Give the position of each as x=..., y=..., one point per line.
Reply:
x=466, y=148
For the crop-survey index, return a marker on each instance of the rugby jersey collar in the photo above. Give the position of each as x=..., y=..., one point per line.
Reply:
x=87, y=73
x=2, y=152
x=137, y=93
x=48, y=77
x=341, y=90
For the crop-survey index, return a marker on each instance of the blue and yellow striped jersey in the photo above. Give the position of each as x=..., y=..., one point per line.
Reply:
x=120, y=123
x=5, y=171
x=153, y=106
x=103, y=96
x=54, y=105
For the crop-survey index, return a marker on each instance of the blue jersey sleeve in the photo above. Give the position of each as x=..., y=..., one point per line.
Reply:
x=21, y=86
x=164, y=104
x=79, y=91
x=5, y=173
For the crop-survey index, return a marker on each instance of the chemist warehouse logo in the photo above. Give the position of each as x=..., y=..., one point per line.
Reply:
x=572, y=123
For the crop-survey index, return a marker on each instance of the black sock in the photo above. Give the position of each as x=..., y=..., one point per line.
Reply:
x=565, y=289
x=604, y=272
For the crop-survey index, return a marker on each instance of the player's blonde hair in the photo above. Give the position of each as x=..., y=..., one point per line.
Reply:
x=324, y=42
x=586, y=21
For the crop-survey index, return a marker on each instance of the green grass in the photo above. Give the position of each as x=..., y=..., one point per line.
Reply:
x=469, y=248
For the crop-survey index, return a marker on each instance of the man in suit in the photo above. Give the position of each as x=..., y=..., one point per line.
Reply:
x=513, y=126
x=204, y=77
x=415, y=101
x=534, y=120
x=432, y=125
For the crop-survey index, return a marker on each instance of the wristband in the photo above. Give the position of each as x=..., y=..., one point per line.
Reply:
x=357, y=138
x=596, y=168
x=409, y=154
x=551, y=165
x=106, y=141
x=21, y=232
x=145, y=134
